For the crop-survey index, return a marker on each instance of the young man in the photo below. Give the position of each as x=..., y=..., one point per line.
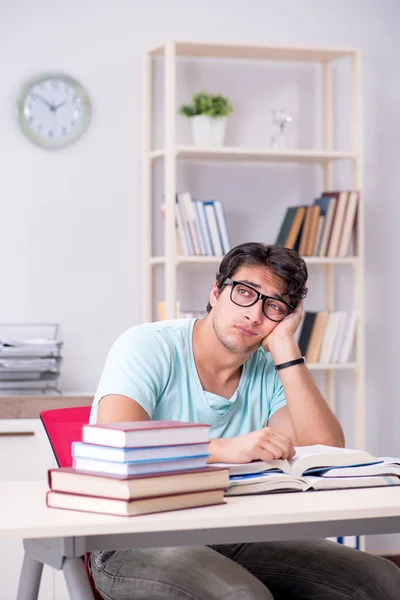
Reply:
x=240, y=370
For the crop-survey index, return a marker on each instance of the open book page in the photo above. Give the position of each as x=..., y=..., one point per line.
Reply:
x=319, y=457
x=387, y=466
x=256, y=466
x=263, y=483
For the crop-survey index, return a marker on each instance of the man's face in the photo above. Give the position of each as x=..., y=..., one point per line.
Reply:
x=241, y=329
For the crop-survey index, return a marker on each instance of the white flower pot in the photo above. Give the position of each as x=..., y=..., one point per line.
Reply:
x=208, y=131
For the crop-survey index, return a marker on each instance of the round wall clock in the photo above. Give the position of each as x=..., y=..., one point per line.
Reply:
x=53, y=110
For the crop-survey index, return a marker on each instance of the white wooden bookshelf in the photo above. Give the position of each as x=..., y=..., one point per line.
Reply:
x=323, y=158
x=227, y=153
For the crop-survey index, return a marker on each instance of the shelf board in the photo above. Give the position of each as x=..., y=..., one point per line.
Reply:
x=256, y=52
x=235, y=153
x=332, y=366
x=212, y=260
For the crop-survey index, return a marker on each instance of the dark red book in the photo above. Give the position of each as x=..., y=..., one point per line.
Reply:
x=130, y=508
x=145, y=433
x=69, y=480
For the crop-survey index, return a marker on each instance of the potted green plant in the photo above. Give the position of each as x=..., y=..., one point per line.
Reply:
x=208, y=115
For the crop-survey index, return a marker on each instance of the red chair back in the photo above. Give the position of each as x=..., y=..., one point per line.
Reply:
x=64, y=426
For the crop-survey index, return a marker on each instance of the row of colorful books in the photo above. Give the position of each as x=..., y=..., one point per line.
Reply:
x=327, y=337
x=138, y=468
x=325, y=228
x=201, y=227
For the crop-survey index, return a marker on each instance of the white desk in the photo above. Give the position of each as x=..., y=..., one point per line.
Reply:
x=60, y=538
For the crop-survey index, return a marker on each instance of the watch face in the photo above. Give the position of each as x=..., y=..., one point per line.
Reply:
x=53, y=110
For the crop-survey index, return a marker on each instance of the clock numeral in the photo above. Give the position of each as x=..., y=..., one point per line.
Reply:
x=50, y=133
x=55, y=83
x=64, y=131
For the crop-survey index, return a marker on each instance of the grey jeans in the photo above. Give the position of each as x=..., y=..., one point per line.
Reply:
x=291, y=570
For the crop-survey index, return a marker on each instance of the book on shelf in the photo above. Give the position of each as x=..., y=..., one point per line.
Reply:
x=201, y=226
x=313, y=468
x=348, y=224
x=212, y=223
x=68, y=480
x=327, y=337
x=124, y=455
x=145, y=433
x=131, y=508
x=286, y=226
x=317, y=335
x=324, y=228
x=139, y=467
x=328, y=205
x=337, y=225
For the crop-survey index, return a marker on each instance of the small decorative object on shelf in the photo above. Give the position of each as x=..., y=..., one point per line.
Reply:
x=30, y=357
x=208, y=115
x=281, y=119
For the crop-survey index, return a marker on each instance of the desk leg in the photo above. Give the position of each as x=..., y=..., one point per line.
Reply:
x=77, y=580
x=29, y=581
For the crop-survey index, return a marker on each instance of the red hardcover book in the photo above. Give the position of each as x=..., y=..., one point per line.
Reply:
x=130, y=508
x=145, y=433
x=67, y=479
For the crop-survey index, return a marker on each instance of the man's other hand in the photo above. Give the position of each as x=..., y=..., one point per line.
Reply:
x=265, y=444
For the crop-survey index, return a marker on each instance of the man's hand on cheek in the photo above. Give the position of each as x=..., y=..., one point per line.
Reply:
x=284, y=330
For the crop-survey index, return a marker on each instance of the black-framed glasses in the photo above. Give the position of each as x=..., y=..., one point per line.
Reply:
x=244, y=295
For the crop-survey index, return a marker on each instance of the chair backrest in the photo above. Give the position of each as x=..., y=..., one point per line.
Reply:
x=64, y=426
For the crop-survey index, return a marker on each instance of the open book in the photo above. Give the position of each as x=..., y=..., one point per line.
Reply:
x=262, y=483
x=313, y=467
x=309, y=460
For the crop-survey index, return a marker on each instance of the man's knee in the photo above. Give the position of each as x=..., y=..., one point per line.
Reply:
x=382, y=580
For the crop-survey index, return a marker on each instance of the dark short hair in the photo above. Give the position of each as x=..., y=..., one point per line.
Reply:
x=283, y=262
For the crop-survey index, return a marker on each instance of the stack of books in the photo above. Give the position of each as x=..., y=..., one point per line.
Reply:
x=328, y=337
x=324, y=228
x=138, y=468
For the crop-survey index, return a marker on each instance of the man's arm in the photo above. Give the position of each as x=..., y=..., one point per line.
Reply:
x=311, y=420
x=116, y=408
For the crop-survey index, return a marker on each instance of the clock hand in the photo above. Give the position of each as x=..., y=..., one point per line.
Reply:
x=45, y=101
x=57, y=106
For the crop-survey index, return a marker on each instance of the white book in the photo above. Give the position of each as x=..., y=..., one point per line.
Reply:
x=192, y=221
x=222, y=226
x=348, y=338
x=199, y=228
x=329, y=337
x=213, y=228
x=203, y=228
x=124, y=455
x=341, y=330
x=337, y=227
x=185, y=222
x=181, y=230
x=348, y=225
x=141, y=467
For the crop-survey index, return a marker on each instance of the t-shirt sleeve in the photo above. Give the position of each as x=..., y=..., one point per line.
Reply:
x=278, y=399
x=137, y=366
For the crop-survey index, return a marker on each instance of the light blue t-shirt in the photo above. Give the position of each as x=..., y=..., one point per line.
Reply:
x=154, y=365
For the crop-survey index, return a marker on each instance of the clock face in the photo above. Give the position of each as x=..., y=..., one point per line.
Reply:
x=53, y=110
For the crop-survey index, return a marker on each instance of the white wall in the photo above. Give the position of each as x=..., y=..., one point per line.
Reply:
x=69, y=238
